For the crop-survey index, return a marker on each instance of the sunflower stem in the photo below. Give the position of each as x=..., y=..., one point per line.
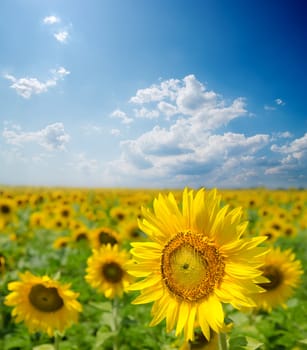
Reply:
x=222, y=341
x=115, y=323
x=57, y=340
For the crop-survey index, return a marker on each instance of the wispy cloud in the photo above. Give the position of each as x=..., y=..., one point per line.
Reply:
x=61, y=36
x=115, y=132
x=84, y=164
x=297, y=149
x=90, y=129
x=293, y=164
x=269, y=108
x=52, y=137
x=60, y=32
x=119, y=114
x=51, y=20
x=281, y=135
x=28, y=86
x=277, y=102
x=60, y=73
x=146, y=113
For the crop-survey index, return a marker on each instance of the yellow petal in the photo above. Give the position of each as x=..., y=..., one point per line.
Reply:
x=183, y=315
x=148, y=295
x=202, y=320
x=189, y=327
x=147, y=282
x=214, y=313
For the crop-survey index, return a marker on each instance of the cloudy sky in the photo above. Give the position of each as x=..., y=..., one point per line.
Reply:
x=155, y=93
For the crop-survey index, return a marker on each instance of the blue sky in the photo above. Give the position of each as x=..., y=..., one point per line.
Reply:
x=155, y=93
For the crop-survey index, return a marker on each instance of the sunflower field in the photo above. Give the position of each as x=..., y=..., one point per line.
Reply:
x=121, y=269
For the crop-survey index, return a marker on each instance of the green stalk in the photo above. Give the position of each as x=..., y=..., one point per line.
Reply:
x=222, y=341
x=57, y=340
x=115, y=323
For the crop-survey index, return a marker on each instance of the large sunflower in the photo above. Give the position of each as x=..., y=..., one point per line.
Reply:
x=43, y=304
x=283, y=272
x=106, y=271
x=196, y=261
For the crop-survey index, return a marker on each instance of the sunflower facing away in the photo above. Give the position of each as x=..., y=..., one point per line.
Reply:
x=103, y=235
x=106, y=271
x=43, y=304
x=196, y=261
x=283, y=272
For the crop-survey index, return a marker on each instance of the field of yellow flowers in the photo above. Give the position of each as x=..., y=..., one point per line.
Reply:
x=82, y=268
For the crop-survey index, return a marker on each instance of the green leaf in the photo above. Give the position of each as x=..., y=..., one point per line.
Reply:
x=237, y=343
x=252, y=343
x=103, y=306
x=12, y=342
x=101, y=337
x=44, y=347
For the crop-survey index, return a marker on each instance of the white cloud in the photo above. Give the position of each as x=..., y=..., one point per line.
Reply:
x=269, y=108
x=189, y=99
x=193, y=97
x=59, y=32
x=122, y=116
x=61, y=36
x=294, y=159
x=188, y=149
x=60, y=73
x=285, y=134
x=90, y=129
x=180, y=156
x=26, y=87
x=167, y=89
x=51, y=20
x=146, y=113
x=167, y=108
x=221, y=162
x=279, y=102
x=84, y=164
x=185, y=149
x=296, y=149
x=281, y=135
x=52, y=137
x=115, y=132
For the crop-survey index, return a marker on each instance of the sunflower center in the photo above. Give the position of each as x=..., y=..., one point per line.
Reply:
x=81, y=236
x=65, y=213
x=105, y=238
x=274, y=275
x=112, y=272
x=5, y=209
x=191, y=266
x=45, y=299
x=135, y=233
